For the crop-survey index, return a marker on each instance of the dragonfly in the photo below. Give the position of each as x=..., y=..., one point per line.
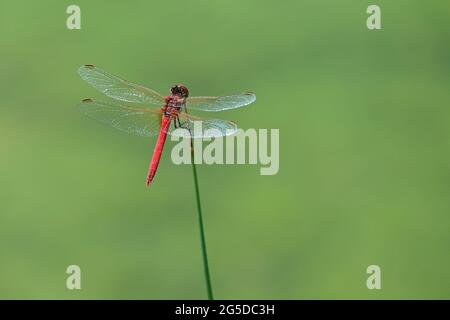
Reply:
x=144, y=112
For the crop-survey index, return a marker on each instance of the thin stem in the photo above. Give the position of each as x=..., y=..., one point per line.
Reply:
x=202, y=231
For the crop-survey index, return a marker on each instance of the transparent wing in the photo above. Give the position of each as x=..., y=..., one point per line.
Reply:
x=147, y=122
x=138, y=121
x=204, y=128
x=118, y=88
x=220, y=103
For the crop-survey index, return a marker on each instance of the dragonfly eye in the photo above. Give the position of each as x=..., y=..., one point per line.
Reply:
x=180, y=91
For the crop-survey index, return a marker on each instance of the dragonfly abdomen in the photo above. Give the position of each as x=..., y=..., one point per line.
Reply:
x=165, y=124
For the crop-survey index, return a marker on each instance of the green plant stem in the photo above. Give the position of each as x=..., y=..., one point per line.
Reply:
x=202, y=231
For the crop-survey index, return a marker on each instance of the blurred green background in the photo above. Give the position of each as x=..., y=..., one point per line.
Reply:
x=364, y=151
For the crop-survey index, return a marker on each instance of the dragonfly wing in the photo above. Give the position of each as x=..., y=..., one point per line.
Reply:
x=203, y=128
x=117, y=88
x=220, y=103
x=138, y=121
x=147, y=122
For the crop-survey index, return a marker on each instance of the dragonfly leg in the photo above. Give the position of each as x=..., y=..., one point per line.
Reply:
x=182, y=124
x=176, y=122
x=185, y=123
x=177, y=119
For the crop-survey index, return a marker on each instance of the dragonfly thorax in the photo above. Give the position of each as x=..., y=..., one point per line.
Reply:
x=174, y=101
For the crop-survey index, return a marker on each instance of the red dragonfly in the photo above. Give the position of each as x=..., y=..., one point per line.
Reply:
x=171, y=113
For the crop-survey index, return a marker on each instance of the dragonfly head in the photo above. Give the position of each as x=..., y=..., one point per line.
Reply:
x=180, y=91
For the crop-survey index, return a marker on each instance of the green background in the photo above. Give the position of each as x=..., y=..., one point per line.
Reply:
x=364, y=151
